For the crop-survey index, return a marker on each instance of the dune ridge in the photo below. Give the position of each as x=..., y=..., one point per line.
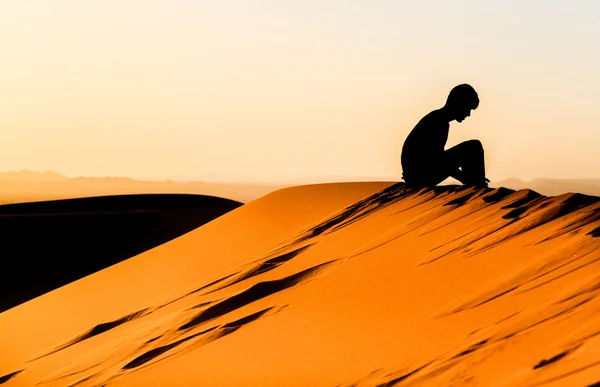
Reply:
x=52, y=243
x=442, y=286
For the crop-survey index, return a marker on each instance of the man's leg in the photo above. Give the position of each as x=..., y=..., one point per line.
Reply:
x=428, y=174
x=469, y=157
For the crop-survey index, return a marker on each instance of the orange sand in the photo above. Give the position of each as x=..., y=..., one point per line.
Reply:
x=326, y=285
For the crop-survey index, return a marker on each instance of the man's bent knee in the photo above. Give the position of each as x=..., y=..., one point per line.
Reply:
x=475, y=146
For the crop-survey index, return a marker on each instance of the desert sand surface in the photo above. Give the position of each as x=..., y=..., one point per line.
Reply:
x=51, y=243
x=358, y=284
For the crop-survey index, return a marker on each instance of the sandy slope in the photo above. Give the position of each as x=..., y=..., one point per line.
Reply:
x=326, y=285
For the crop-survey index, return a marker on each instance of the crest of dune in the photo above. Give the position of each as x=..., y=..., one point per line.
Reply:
x=346, y=284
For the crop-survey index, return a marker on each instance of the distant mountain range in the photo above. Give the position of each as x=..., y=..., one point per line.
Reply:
x=25, y=186
x=29, y=176
x=553, y=187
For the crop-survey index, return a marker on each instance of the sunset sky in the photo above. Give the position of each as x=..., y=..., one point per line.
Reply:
x=272, y=90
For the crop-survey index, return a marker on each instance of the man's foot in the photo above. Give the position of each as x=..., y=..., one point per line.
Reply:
x=479, y=185
x=483, y=184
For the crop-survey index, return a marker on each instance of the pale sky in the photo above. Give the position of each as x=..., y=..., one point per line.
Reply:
x=293, y=89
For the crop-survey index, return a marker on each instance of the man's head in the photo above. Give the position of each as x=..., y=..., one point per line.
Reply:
x=461, y=100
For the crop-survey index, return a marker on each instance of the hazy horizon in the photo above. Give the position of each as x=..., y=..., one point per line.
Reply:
x=297, y=90
x=30, y=175
x=226, y=178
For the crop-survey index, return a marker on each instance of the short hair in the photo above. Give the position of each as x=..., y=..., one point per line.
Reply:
x=463, y=94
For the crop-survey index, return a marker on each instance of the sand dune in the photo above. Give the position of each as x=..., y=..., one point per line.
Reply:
x=358, y=284
x=27, y=186
x=555, y=186
x=49, y=244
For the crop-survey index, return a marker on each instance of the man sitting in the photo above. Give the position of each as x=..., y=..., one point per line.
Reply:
x=425, y=163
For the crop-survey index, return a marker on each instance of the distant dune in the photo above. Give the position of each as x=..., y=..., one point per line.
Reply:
x=49, y=244
x=27, y=186
x=553, y=187
x=356, y=284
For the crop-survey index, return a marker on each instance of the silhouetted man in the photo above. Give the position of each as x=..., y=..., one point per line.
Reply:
x=425, y=163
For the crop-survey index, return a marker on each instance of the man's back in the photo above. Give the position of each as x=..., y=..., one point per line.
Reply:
x=425, y=143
